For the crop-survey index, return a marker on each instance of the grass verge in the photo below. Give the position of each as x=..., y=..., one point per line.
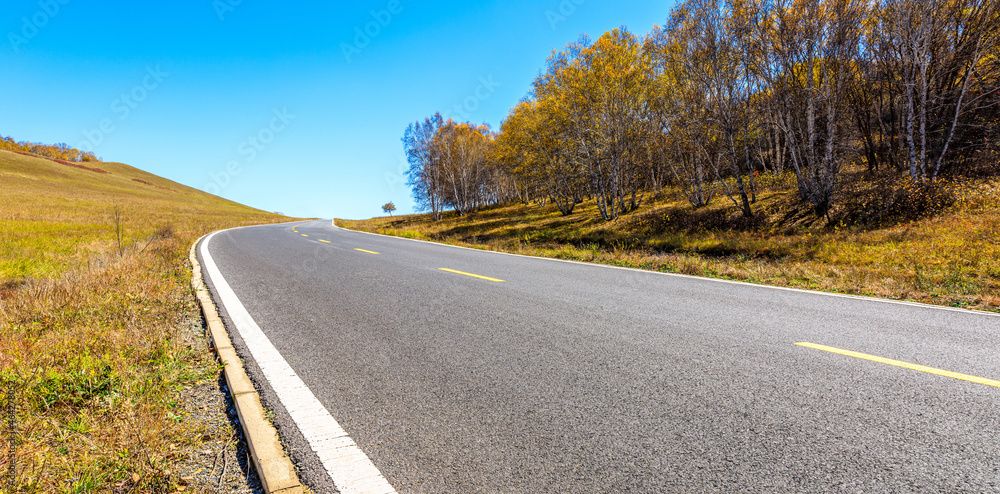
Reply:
x=945, y=253
x=94, y=291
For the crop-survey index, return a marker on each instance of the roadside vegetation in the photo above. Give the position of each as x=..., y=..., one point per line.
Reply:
x=838, y=145
x=889, y=97
x=59, y=152
x=949, y=256
x=94, y=290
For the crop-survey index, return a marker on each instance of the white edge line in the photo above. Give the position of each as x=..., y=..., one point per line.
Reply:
x=690, y=277
x=350, y=468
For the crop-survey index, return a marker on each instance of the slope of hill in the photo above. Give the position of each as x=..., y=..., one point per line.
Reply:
x=55, y=214
x=94, y=293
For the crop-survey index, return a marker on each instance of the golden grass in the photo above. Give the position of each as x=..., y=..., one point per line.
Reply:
x=89, y=329
x=951, y=257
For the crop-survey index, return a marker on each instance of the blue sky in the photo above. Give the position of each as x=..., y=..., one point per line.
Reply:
x=283, y=106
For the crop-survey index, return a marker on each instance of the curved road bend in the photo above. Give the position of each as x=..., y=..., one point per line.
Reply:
x=566, y=377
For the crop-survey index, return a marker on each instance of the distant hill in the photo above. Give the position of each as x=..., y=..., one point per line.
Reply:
x=55, y=214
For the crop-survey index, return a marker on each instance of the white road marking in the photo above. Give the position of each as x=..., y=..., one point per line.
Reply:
x=350, y=468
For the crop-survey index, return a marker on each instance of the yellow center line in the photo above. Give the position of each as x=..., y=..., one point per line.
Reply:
x=324, y=241
x=905, y=365
x=303, y=234
x=367, y=251
x=472, y=275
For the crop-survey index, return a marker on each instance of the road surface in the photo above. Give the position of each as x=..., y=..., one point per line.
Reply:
x=456, y=370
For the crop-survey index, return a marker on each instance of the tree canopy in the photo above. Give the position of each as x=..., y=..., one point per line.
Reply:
x=727, y=90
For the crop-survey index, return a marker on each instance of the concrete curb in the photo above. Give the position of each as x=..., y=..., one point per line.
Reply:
x=274, y=468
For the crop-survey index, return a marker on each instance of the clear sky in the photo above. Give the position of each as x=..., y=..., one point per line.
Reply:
x=282, y=105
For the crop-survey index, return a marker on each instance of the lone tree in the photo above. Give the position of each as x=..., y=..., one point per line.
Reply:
x=389, y=207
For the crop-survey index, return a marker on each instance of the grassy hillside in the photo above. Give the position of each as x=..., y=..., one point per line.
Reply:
x=53, y=216
x=93, y=289
x=944, y=252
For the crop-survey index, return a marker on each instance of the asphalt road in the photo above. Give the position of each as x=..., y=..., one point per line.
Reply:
x=567, y=377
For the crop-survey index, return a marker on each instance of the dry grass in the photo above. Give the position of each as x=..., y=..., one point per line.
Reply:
x=89, y=328
x=947, y=253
